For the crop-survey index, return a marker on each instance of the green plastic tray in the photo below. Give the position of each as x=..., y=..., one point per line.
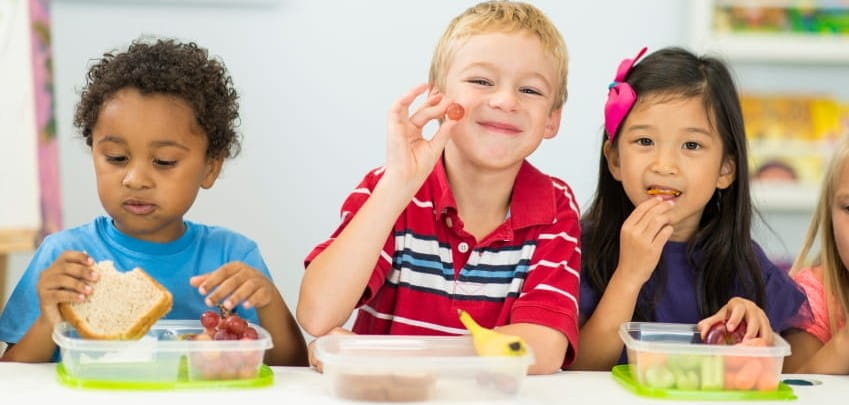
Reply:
x=622, y=375
x=263, y=379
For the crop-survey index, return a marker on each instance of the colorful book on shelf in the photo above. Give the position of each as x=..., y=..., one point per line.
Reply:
x=821, y=18
x=791, y=136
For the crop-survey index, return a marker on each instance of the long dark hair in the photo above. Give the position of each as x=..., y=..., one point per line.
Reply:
x=721, y=250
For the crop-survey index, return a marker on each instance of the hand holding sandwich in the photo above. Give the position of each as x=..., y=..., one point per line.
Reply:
x=69, y=279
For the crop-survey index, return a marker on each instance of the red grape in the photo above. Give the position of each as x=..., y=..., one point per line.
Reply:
x=719, y=335
x=209, y=319
x=454, y=111
x=235, y=325
x=250, y=333
x=222, y=334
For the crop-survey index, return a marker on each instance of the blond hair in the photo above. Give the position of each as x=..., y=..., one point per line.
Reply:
x=505, y=17
x=835, y=274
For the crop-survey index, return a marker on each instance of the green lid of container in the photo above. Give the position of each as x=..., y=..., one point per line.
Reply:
x=264, y=378
x=622, y=375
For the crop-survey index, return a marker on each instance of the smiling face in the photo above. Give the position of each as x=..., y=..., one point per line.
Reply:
x=668, y=148
x=506, y=83
x=150, y=161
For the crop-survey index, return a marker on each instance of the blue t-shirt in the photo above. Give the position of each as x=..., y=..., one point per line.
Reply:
x=200, y=250
x=678, y=303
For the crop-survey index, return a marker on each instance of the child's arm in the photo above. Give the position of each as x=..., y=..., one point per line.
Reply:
x=601, y=346
x=66, y=280
x=36, y=346
x=642, y=238
x=285, y=334
x=236, y=283
x=549, y=345
x=336, y=278
x=809, y=355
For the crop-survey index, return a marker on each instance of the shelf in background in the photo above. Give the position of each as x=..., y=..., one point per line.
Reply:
x=784, y=197
x=798, y=48
x=787, y=48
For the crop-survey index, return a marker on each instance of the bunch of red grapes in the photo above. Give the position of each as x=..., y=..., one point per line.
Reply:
x=230, y=327
x=233, y=360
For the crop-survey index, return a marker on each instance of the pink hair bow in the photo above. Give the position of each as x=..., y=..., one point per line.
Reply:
x=620, y=96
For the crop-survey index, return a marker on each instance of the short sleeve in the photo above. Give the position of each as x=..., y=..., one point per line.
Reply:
x=23, y=306
x=786, y=303
x=810, y=280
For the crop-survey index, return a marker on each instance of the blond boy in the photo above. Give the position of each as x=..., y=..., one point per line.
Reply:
x=463, y=221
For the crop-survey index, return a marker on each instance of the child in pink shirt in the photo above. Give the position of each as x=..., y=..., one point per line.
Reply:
x=821, y=344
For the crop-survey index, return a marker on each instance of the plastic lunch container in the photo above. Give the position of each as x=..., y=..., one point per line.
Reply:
x=416, y=368
x=166, y=354
x=671, y=357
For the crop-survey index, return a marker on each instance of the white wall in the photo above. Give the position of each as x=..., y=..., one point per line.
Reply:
x=316, y=79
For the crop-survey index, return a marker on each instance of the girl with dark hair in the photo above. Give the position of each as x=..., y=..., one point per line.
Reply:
x=667, y=236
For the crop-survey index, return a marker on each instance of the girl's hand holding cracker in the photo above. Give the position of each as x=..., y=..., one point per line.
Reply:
x=235, y=283
x=68, y=279
x=641, y=240
x=409, y=156
x=740, y=312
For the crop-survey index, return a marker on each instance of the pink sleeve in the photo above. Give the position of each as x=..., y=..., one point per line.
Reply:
x=810, y=279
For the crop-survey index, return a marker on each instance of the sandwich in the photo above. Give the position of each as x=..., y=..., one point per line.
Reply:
x=122, y=305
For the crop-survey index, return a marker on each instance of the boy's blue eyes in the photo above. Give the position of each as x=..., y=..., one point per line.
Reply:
x=484, y=82
x=480, y=82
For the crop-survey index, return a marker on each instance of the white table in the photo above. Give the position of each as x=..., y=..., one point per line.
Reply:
x=37, y=383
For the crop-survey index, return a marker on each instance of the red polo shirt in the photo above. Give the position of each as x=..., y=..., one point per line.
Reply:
x=525, y=271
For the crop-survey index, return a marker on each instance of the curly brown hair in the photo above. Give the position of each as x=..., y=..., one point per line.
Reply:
x=168, y=67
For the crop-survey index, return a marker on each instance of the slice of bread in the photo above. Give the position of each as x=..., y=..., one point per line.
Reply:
x=123, y=305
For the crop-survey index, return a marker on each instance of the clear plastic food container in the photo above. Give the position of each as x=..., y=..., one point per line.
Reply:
x=166, y=354
x=671, y=357
x=417, y=368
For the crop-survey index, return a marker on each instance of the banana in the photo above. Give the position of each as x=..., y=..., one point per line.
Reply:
x=491, y=343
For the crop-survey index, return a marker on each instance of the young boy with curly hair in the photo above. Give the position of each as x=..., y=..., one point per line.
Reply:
x=160, y=121
x=463, y=220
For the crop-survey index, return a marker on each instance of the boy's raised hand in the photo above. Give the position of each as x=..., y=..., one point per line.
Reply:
x=641, y=240
x=68, y=279
x=732, y=313
x=409, y=156
x=235, y=283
